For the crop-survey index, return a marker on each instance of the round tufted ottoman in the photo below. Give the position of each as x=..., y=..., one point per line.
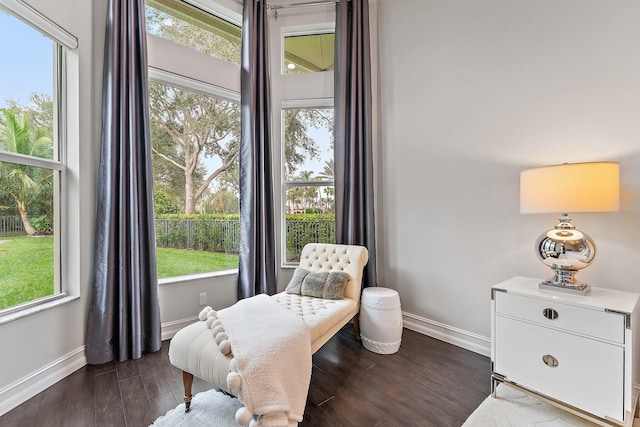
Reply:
x=380, y=320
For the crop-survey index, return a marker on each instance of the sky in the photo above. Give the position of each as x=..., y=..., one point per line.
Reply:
x=322, y=137
x=26, y=61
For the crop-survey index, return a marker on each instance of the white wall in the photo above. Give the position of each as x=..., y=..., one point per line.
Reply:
x=471, y=93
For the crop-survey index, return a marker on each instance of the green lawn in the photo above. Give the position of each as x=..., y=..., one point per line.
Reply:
x=180, y=262
x=26, y=267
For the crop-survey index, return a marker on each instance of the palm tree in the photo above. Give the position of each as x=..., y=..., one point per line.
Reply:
x=327, y=175
x=327, y=171
x=23, y=183
x=309, y=194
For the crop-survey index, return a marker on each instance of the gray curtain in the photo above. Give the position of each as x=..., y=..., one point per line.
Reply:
x=124, y=314
x=257, y=269
x=355, y=223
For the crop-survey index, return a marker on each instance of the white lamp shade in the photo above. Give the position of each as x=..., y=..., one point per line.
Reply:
x=571, y=187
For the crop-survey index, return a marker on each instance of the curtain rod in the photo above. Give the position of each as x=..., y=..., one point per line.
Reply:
x=302, y=4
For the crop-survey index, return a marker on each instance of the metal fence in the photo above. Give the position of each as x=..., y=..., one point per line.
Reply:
x=301, y=232
x=224, y=235
x=212, y=235
x=11, y=226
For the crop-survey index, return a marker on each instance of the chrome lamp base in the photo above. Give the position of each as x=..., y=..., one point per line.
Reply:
x=564, y=281
x=549, y=285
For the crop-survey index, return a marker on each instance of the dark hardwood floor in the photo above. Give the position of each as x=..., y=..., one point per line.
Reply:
x=426, y=383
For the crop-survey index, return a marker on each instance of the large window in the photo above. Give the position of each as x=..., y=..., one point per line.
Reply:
x=308, y=178
x=195, y=175
x=195, y=127
x=31, y=166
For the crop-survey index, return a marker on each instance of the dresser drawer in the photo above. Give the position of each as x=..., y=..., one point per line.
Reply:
x=589, y=373
x=595, y=323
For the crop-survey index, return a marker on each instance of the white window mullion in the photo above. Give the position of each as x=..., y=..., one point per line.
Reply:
x=30, y=161
x=184, y=82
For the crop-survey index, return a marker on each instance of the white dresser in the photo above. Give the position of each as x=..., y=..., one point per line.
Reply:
x=575, y=350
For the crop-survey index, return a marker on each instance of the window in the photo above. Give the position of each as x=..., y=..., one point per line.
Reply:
x=308, y=53
x=195, y=28
x=32, y=166
x=302, y=82
x=195, y=142
x=308, y=178
x=195, y=131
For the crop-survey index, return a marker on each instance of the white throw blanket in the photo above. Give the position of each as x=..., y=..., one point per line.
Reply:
x=271, y=366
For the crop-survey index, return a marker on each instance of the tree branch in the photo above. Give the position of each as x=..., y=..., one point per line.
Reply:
x=215, y=173
x=170, y=160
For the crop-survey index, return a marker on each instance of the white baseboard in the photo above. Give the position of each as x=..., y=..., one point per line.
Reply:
x=25, y=388
x=452, y=335
x=169, y=329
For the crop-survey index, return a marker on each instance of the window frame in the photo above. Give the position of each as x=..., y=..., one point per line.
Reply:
x=165, y=77
x=62, y=42
x=188, y=84
x=39, y=22
x=307, y=103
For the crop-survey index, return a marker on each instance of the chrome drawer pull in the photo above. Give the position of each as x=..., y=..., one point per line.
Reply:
x=550, y=313
x=550, y=361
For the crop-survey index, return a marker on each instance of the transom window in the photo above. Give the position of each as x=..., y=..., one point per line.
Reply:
x=308, y=53
x=195, y=28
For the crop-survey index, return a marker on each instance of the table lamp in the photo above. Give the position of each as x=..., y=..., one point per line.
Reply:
x=570, y=187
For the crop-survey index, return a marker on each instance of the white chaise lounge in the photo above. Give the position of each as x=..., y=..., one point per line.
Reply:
x=195, y=352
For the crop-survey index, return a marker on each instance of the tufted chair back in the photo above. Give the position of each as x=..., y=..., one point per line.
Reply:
x=330, y=257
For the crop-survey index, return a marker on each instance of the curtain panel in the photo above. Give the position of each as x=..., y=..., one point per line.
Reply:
x=257, y=261
x=355, y=222
x=124, y=313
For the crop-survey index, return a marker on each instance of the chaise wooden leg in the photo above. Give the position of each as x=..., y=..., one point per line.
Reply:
x=187, y=380
x=356, y=325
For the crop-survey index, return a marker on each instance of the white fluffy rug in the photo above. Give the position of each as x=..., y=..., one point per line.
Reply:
x=208, y=409
x=513, y=408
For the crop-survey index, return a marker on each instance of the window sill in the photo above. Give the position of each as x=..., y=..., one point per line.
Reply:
x=30, y=311
x=194, y=277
